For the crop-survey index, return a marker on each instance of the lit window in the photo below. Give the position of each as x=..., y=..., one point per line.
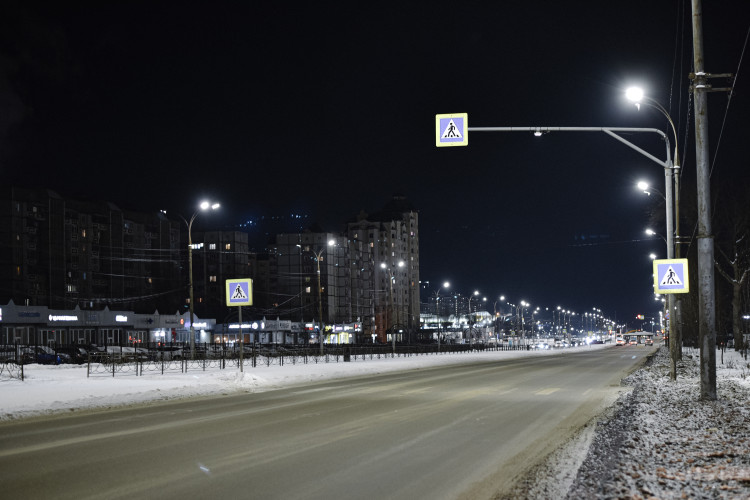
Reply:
x=228, y=246
x=212, y=279
x=212, y=246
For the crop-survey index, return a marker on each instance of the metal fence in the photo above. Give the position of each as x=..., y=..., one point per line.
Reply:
x=160, y=358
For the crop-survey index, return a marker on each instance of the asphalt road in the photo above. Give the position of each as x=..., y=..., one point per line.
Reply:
x=462, y=431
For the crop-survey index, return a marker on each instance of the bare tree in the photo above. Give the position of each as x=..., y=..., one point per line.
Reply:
x=733, y=247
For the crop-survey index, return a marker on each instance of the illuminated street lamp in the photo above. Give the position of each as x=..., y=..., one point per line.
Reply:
x=391, y=280
x=318, y=256
x=476, y=292
x=524, y=304
x=636, y=95
x=651, y=232
x=648, y=189
x=205, y=205
x=497, y=319
x=446, y=285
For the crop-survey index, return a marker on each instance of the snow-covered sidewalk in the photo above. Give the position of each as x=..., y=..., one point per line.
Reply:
x=660, y=441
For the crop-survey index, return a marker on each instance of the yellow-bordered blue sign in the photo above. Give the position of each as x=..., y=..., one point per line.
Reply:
x=452, y=130
x=240, y=292
x=671, y=276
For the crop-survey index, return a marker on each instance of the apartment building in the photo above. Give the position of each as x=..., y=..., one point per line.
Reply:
x=65, y=253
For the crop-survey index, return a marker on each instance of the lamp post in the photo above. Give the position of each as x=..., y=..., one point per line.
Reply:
x=205, y=205
x=468, y=316
x=651, y=232
x=524, y=305
x=391, y=280
x=533, y=325
x=494, y=310
x=648, y=189
x=476, y=292
x=636, y=95
x=318, y=256
x=437, y=309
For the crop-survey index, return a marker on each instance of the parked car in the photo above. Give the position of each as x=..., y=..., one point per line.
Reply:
x=168, y=353
x=76, y=355
x=43, y=355
x=126, y=354
x=8, y=354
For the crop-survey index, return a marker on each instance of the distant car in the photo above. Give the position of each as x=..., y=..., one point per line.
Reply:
x=168, y=353
x=649, y=341
x=126, y=354
x=75, y=355
x=43, y=355
x=633, y=342
x=8, y=354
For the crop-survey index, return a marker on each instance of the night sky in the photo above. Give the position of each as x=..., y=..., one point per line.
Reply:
x=322, y=110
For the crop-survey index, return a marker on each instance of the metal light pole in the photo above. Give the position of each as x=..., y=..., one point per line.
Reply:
x=391, y=279
x=636, y=95
x=205, y=205
x=318, y=256
x=494, y=308
x=437, y=309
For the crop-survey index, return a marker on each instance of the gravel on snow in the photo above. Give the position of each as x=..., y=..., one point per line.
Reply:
x=659, y=440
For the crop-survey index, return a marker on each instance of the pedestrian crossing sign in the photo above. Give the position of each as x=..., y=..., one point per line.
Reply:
x=671, y=276
x=452, y=130
x=240, y=292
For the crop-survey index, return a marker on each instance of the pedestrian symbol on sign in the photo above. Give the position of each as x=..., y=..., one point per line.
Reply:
x=451, y=131
x=239, y=293
x=670, y=278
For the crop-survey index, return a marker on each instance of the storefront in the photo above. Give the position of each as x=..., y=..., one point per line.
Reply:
x=39, y=325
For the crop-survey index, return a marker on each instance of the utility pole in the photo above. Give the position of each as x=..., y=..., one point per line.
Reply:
x=706, y=298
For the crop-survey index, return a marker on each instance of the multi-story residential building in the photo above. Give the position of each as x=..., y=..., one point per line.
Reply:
x=65, y=253
x=312, y=277
x=217, y=257
x=389, y=242
x=369, y=275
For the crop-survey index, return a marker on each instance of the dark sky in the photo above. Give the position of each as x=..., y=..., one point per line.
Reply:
x=325, y=109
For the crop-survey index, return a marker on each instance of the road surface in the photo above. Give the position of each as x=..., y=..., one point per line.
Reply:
x=457, y=431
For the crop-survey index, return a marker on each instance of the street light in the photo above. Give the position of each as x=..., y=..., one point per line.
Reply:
x=651, y=232
x=494, y=310
x=468, y=317
x=646, y=188
x=318, y=256
x=524, y=304
x=437, y=309
x=205, y=205
x=391, y=279
x=636, y=95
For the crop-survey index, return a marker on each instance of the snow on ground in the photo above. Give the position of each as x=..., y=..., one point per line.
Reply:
x=50, y=389
x=657, y=441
